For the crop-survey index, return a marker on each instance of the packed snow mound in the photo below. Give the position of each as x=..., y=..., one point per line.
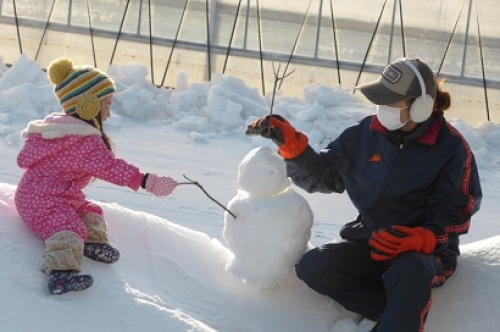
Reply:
x=168, y=278
x=471, y=292
x=172, y=278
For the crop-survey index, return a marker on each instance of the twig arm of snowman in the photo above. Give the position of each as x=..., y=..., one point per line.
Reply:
x=204, y=191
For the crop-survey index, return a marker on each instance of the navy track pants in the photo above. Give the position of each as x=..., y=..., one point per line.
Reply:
x=397, y=293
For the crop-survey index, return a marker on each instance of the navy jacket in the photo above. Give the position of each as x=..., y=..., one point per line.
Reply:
x=428, y=178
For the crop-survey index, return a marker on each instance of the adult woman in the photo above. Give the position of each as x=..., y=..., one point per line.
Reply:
x=413, y=179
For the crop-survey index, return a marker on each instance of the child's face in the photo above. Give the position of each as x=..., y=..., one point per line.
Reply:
x=106, y=107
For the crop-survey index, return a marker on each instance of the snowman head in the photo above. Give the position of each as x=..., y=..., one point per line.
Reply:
x=262, y=173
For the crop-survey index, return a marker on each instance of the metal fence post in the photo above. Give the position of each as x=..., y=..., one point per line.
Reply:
x=139, y=19
x=211, y=16
x=247, y=18
x=70, y=10
x=466, y=41
x=391, y=36
x=318, y=29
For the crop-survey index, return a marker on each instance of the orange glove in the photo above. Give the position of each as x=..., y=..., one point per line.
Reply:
x=388, y=243
x=290, y=141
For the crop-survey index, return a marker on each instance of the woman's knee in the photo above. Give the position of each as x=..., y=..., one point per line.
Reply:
x=323, y=264
x=308, y=266
x=412, y=264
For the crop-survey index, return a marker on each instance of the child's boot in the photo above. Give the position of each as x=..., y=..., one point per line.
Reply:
x=63, y=281
x=101, y=252
x=97, y=247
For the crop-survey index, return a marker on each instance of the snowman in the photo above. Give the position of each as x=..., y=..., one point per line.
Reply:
x=273, y=223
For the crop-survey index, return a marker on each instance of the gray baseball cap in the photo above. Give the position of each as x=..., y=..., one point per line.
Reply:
x=399, y=82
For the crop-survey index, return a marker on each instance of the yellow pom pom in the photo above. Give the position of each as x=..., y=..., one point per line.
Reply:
x=59, y=69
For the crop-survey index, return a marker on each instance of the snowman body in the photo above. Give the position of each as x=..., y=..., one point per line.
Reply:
x=273, y=223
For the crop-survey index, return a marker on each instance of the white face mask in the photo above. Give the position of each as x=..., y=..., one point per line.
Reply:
x=390, y=117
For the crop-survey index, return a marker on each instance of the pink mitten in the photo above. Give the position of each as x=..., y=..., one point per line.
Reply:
x=160, y=185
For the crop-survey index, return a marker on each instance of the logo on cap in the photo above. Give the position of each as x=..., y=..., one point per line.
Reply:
x=392, y=74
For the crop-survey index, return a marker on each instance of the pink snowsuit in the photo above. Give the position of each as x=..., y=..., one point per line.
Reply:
x=61, y=156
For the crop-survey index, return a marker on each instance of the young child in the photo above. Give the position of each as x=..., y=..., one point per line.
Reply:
x=61, y=155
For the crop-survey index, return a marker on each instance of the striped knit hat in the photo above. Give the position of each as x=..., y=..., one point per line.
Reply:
x=79, y=88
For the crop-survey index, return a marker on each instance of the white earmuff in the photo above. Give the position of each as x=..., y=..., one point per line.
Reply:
x=421, y=108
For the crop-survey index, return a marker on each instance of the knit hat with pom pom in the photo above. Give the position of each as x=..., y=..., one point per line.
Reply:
x=79, y=88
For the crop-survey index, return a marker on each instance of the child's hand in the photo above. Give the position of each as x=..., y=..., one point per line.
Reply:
x=160, y=185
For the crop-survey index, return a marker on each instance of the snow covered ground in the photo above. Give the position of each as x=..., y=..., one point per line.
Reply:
x=172, y=272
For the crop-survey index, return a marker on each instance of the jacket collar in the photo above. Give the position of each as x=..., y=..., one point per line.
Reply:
x=428, y=137
x=57, y=126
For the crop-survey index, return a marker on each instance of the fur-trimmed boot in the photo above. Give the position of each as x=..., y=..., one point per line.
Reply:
x=63, y=281
x=101, y=252
x=97, y=247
